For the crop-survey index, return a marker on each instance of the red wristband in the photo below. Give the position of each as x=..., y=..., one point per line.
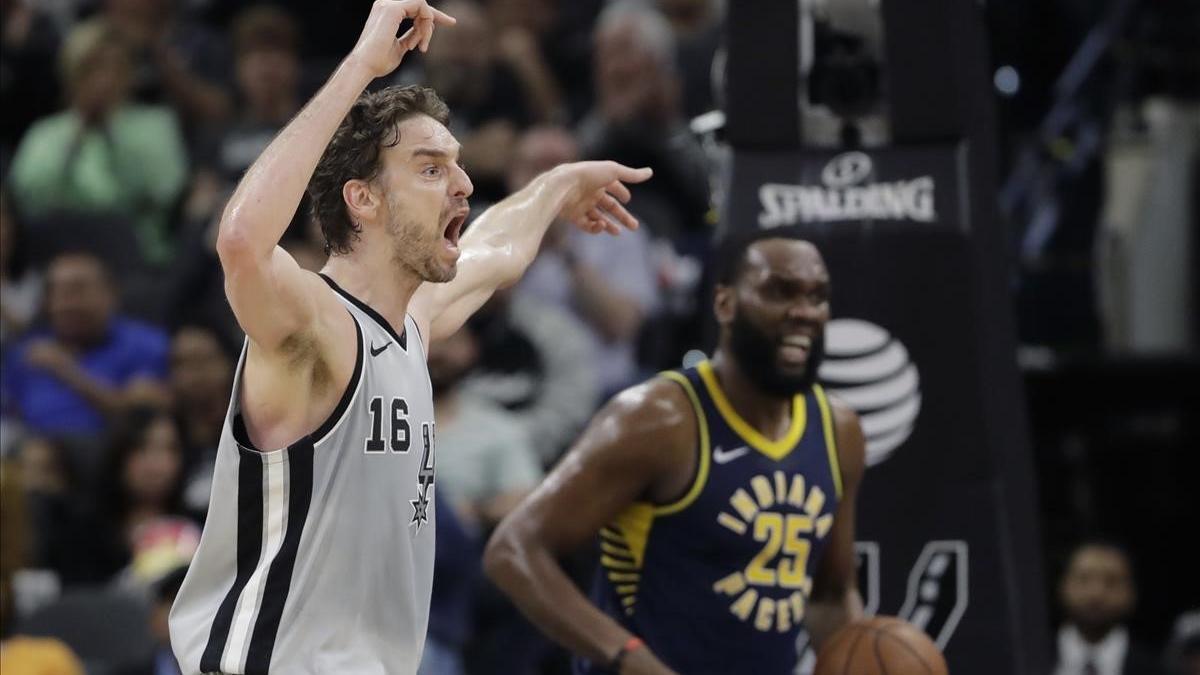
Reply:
x=630, y=645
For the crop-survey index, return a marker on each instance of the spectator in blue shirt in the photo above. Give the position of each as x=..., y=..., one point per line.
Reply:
x=88, y=364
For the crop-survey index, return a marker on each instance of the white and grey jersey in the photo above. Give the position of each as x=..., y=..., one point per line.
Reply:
x=318, y=557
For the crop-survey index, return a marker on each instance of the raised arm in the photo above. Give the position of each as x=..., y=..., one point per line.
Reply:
x=502, y=242
x=608, y=469
x=835, y=598
x=271, y=296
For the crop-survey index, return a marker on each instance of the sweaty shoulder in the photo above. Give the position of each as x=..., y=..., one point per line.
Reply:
x=658, y=407
x=651, y=424
x=851, y=443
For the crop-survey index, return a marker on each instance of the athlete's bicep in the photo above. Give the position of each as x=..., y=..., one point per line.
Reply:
x=272, y=299
x=632, y=444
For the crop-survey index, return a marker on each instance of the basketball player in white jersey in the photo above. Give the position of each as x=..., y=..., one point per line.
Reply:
x=317, y=555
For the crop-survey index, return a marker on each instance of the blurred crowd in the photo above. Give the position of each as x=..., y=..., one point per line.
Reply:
x=126, y=125
x=129, y=122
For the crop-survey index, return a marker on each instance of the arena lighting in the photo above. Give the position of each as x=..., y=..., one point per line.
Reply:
x=1007, y=81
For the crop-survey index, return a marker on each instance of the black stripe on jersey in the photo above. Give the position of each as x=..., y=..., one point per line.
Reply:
x=331, y=421
x=401, y=338
x=239, y=423
x=279, y=576
x=249, y=548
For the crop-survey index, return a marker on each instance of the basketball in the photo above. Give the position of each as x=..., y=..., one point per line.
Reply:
x=881, y=645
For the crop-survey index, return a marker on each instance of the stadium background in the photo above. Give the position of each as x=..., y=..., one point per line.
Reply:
x=1069, y=354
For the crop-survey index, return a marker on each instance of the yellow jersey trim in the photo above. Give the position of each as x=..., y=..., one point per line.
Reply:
x=634, y=526
x=776, y=450
x=623, y=560
x=835, y=466
x=703, y=459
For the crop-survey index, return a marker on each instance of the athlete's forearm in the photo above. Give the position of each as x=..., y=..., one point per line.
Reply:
x=267, y=196
x=511, y=231
x=824, y=617
x=108, y=400
x=530, y=575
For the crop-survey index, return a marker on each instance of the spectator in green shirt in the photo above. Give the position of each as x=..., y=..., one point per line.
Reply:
x=103, y=154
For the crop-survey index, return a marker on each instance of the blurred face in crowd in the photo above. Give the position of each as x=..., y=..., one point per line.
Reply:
x=102, y=81
x=540, y=150
x=79, y=299
x=687, y=16
x=1097, y=591
x=201, y=372
x=268, y=77
x=451, y=359
x=773, y=316
x=632, y=81
x=148, y=11
x=536, y=16
x=459, y=66
x=152, y=469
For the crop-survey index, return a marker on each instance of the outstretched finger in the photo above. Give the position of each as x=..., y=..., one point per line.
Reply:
x=441, y=18
x=628, y=174
x=596, y=221
x=612, y=224
x=426, y=32
x=618, y=213
x=618, y=190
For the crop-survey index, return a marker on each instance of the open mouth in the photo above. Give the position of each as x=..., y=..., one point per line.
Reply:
x=454, y=229
x=795, y=348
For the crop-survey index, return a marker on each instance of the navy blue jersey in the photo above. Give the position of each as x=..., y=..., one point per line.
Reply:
x=718, y=581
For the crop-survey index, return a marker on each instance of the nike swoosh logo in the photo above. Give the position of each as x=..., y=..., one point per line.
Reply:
x=377, y=352
x=722, y=457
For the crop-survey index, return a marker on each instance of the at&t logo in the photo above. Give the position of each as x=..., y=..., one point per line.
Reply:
x=870, y=370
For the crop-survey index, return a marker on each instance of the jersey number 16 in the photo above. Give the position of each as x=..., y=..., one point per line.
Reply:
x=397, y=437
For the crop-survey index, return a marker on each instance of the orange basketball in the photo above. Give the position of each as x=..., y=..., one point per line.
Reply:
x=882, y=645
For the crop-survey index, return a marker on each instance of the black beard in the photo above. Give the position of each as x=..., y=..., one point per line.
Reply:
x=754, y=353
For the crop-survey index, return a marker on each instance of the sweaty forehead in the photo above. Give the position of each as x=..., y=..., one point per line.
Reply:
x=790, y=259
x=421, y=133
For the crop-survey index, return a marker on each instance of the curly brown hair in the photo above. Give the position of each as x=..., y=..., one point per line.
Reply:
x=371, y=125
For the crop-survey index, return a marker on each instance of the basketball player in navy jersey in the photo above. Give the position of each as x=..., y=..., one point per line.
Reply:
x=723, y=496
x=317, y=553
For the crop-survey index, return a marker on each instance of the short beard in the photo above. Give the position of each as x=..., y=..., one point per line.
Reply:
x=411, y=253
x=755, y=353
